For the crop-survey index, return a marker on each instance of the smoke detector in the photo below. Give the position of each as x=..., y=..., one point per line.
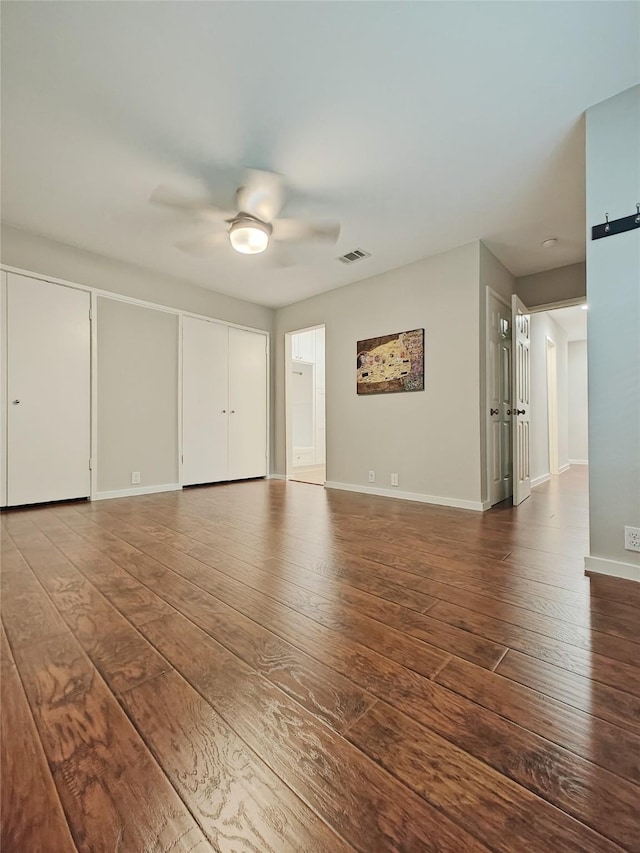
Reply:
x=549, y=243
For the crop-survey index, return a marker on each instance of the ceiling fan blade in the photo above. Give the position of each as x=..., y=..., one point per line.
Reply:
x=167, y=197
x=290, y=230
x=204, y=247
x=261, y=194
x=278, y=256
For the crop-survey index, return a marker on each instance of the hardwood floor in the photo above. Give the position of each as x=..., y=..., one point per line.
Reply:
x=270, y=666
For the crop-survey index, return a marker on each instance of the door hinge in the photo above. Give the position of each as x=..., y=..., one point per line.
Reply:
x=182, y=458
x=91, y=464
x=90, y=314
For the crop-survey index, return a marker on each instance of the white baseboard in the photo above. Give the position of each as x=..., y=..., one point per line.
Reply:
x=138, y=490
x=542, y=479
x=478, y=506
x=276, y=477
x=578, y=462
x=564, y=468
x=613, y=568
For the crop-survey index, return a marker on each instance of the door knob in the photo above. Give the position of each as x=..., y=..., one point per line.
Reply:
x=510, y=411
x=224, y=411
x=494, y=411
x=233, y=411
x=16, y=402
x=519, y=412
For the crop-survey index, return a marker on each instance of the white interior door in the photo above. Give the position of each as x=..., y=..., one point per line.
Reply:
x=205, y=397
x=247, y=404
x=48, y=391
x=521, y=337
x=499, y=443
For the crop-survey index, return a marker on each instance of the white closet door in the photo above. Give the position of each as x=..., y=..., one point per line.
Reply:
x=204, y=401
x=247, y=404
x=48, y=385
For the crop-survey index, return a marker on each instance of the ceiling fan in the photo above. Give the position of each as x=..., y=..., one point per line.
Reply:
x=253, y=224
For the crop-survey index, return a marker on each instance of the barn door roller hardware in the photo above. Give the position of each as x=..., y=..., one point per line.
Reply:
x=618, y=226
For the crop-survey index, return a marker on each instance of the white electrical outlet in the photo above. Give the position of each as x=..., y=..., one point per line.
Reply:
x=394, y=479
x=632, y=538
x=372, y=476
x=135, y=478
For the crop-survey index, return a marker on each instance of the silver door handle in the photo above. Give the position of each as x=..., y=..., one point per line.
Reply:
x=16, y=402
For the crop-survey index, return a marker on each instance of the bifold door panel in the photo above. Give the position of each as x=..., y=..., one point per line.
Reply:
x=48, y=391
x=205, y=421
x=224, y=403
x=247, y=404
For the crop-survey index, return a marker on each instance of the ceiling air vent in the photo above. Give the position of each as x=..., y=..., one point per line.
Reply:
x=352, y=257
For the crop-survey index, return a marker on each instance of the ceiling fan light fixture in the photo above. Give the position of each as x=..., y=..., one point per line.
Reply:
x=249, y=237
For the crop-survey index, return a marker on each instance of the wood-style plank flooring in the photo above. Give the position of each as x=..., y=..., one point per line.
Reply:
x=269, y=666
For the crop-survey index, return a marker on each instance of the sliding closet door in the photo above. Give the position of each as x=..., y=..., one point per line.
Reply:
x=247, y=404
x=204, y=401
x=48, y=384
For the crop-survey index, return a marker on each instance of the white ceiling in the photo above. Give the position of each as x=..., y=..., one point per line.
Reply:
x=573, y=320
x=419, y=125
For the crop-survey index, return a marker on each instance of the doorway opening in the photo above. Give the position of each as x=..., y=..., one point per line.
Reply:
x=536, y=383
x=305, y=405
x=558, y=391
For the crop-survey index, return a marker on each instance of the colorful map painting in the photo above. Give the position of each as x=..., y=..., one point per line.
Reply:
x=391, y=363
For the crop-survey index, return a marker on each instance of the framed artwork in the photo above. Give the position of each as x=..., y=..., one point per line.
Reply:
x=391, y=363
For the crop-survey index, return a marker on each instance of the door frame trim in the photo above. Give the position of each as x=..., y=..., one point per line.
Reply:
x=288, y=428
x=561, y=303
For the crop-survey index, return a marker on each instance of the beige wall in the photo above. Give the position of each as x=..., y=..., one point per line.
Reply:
x=38, y=254
x=613, y=293
x=556, y=285
x=137, y=395
x=431, y=438
x=495, y=275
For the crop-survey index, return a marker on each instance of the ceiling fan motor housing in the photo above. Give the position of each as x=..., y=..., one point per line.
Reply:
x=248, y=234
